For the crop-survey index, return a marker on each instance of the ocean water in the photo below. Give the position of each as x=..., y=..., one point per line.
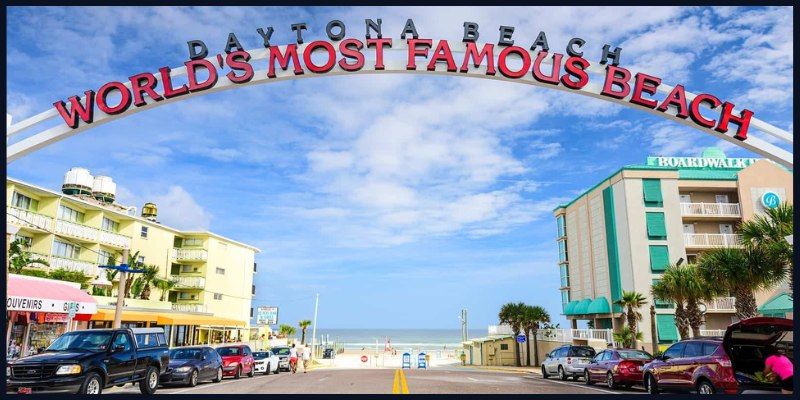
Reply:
x=401, y=339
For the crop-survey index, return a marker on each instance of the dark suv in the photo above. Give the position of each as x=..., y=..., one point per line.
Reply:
x=568, y=360
x=720, y=365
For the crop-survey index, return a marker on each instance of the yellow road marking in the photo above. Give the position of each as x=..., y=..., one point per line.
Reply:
x=403, y=379
x=396, y=389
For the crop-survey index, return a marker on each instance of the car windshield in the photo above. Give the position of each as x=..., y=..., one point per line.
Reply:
x=186, y=354
x=281, y=351
x=82, y=341
x=582, y=351
x=229, y=351
x=634, y=355
x=259, y=355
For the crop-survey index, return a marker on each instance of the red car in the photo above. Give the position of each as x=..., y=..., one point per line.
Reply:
x=617, y=367
x=237, y=360
x=710, y=366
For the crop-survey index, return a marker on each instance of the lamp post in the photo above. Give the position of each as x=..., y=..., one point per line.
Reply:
x=123, y=268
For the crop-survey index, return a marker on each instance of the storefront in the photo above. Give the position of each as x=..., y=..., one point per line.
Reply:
x=38, y=312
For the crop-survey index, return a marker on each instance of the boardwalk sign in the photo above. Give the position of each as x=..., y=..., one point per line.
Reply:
x=267, y=316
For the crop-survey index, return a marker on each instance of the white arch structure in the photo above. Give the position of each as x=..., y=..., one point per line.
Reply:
x=392, y=66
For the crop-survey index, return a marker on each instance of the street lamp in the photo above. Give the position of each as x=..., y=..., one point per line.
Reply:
x=123, y=268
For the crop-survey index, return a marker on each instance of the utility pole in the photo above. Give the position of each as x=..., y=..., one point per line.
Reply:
x=464, y=331
x=314, y=329
x=653, y=336
x=120, y=292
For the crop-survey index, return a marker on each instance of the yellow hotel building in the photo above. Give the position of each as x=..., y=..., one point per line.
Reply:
x=81, y=228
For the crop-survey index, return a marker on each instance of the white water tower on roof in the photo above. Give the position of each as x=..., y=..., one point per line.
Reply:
x=77, y=181
x=104, y=189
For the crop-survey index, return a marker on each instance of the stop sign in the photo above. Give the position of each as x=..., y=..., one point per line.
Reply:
x=363, y=358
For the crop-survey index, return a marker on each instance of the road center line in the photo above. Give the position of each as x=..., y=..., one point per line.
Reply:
x=403, y=379
x=396, y=388
x=472, y=379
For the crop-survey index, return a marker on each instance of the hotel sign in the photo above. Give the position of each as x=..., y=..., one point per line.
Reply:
x=693, y=162
x=267, y=316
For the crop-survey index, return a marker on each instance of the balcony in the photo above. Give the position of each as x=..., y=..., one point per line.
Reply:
x=189, y=307
x=560, y=335
x=195, y=282
x=78, y=231
x=190, y=254
x=721, y=304
x=727, y=210
x=29, y=219
x=709, y=240
x=72, y=265
x=115, y=239
x=712, y=332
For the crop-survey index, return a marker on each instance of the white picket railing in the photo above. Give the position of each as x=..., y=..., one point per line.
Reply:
x=76, y=230
x=711, y=240
x=712, y=332
x=115, y=239
x=712, y=209
x=189, y=281
x=190, y=254
x=72, y=265
x=189, y=307
x=560, y=335
x=722, y=304
x=31, y=219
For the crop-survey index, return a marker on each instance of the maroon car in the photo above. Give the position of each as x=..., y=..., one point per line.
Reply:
x=710, y=366
x=617, y=367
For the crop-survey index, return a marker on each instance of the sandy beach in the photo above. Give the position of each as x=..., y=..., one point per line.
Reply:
x=352, y=359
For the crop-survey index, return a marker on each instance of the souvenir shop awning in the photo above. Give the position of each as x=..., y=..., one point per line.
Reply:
x=200, y=320
x=29, y=294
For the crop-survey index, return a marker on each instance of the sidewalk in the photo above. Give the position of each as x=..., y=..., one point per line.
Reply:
x=524, y=370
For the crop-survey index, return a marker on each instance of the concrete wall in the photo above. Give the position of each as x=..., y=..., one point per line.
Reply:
x=759, y=177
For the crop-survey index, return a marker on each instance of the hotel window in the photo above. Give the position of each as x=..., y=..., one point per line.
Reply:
x=255, y=267
x=69, y=214
x=19, y=200
x=217, y=296
x=140, y=260
x=65, y=250
x=110, y=225
x=251, y=312
x=104, y=256
x=503, y=346
x=192, y=242
x=254, y=289
x=562, y=227
x=564, y=299
x=221, y=270
x=659, y=258
x=564, y=270
x=652, y=193
x=144, y=232
x=562, y=251
x=656, y=228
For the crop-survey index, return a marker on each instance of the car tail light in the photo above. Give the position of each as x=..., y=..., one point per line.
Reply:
x=569, y=360
x=627, y=366
x=724, y=362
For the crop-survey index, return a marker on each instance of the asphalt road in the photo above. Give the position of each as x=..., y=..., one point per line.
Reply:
x=388, y=381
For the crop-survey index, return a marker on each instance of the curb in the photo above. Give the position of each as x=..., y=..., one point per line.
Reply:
x=523, y=371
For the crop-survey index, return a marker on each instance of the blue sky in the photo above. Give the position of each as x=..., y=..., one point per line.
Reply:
x=383, y=193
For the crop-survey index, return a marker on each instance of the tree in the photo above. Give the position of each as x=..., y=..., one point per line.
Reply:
x=626, y=338
x=533, y=317
x=20, y=257
x=632, y=301
x=769, y=232
x=669, y=289
x=137, y=287
x=150, y=273
x=685, y=286
x=303, y=326
x=133, y=263
x=742, y=271
x=512, y=314
x=164, y=285
x=286, y=330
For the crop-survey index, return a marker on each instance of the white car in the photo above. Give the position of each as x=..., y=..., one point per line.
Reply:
x=266, y=362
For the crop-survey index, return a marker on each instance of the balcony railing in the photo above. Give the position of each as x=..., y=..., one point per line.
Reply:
x=189, y=307
x=190, y=281
x=721, y=304
x=115, y=239
x=711, y=240
x=560, y=335
x=712, y=332
x=76, y=230
x=711, y=209
x=72, y=265
x=593, y=334
x=29, y=218
x=190, y=254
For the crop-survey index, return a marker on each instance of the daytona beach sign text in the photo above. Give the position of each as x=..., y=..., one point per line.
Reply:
x=568, y=69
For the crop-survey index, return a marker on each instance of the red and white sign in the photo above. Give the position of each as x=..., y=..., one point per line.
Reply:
x=363, y=359
x=52, y=317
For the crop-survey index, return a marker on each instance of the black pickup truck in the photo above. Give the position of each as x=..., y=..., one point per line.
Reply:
x=86, y=362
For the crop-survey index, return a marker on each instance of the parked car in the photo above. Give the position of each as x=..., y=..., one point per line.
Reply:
x=712, y=365
x=237, y=360
x=266, y=362
x=283, y=356
x=617, y=367
x=87, y=361
x=190, y=365
x=329, y=353
x=568, y=360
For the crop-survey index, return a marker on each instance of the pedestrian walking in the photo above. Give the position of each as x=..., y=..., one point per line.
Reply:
x=306, y=358
x=293, y=359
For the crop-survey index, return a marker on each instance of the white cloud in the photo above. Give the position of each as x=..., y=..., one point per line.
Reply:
x=178, y=209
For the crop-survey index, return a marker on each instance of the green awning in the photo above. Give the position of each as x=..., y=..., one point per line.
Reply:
x=780, y=304
x=667, y=331
x=582, y=307
x=569, y=309
x=599, y=306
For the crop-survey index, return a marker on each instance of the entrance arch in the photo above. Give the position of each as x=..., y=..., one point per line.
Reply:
x=591, y=88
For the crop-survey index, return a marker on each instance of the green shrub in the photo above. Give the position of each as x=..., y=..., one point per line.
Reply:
x=70, y=276
x=34, y=272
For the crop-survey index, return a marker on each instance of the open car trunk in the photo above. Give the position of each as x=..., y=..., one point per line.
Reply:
x=745, y=342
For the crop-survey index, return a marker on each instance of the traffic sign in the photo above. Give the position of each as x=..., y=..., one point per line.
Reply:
x=363, y=359
x=73, y=309
x=521, y=338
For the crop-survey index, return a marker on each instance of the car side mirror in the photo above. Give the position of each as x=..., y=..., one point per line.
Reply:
x=662, y=358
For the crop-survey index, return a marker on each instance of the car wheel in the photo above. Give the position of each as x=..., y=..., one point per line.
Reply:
x=561, y=373
x=150, y=383
x=238, y=373
x=610, y=380
x=544, y=373
x=278, y=370
x=193, y=379
x=92, y=385
x=587, y=378
x=650, y=384
x=219, y=375
x=252, y=371
x=266, y=371
x=705, y=387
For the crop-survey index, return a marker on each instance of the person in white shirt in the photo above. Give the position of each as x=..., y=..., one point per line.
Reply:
x=293, y=358
x=306, y=358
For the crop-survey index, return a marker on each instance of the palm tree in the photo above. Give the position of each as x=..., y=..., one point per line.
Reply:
x=133, y=263
x=632, y=301
x=742, y=271
x=684, y=286
x=303, y=326
x=164, y=285
x=286, y=330
x=769, y=232
x=533, y=316
x=512, y=314
x=20, y=257
x=626, y=338
x=150, y=273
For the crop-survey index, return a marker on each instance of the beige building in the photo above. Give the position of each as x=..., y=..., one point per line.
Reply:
x=82, y=227
x=622, y=233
